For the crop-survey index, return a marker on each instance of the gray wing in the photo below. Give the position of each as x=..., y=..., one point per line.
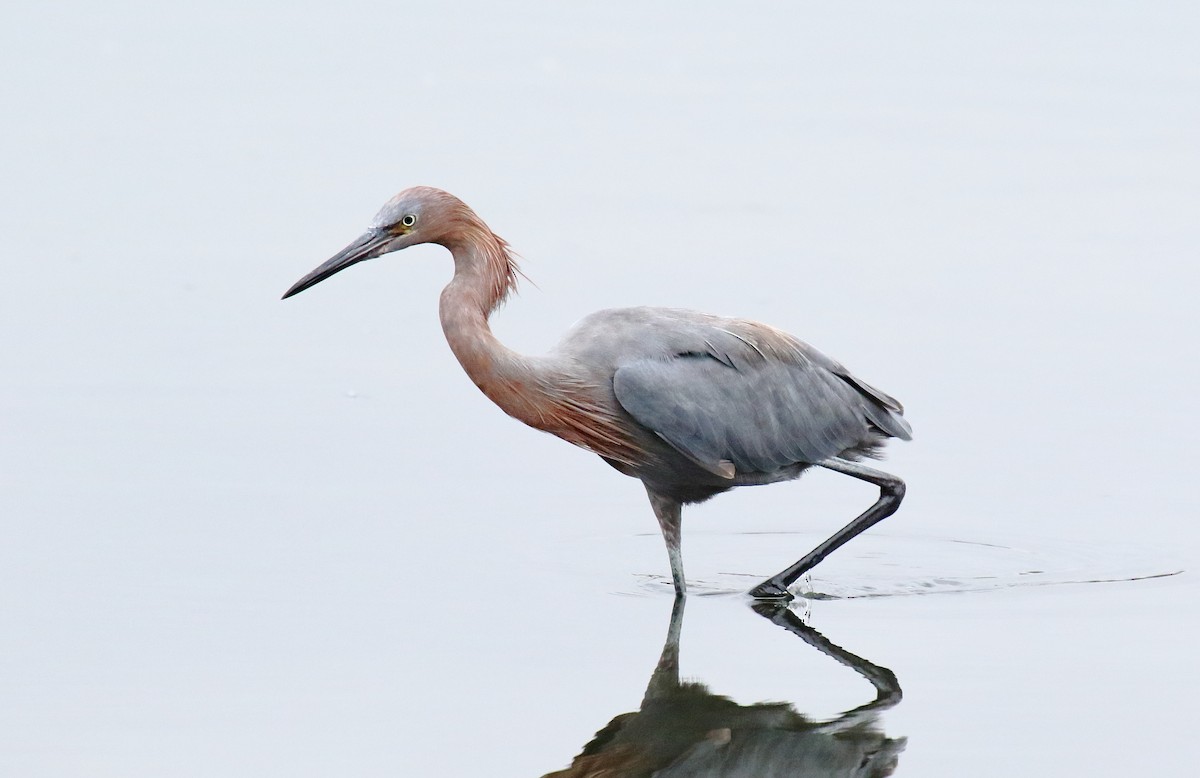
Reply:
x=760, y=406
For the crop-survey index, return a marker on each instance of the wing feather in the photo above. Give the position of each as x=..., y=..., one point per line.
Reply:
x=760, y=406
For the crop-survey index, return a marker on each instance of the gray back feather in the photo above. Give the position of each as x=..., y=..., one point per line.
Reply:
x=758, y=398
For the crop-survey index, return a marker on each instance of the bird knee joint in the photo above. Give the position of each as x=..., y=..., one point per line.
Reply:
x=893, y=489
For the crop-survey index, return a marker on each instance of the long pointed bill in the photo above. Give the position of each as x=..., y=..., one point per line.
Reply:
x=365, y=246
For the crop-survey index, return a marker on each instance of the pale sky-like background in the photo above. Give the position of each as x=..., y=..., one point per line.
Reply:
x=240, y=536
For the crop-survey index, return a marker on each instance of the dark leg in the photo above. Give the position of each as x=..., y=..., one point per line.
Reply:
x=891, y=492
x=669, y=512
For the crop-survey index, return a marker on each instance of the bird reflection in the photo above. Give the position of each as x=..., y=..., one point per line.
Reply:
x=683, y=729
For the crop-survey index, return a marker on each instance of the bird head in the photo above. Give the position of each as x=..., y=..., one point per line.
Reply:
x=421, y=214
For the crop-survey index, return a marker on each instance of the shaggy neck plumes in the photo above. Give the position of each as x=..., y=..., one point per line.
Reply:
x=484, y=275
x=530, y=390
x=484, y=259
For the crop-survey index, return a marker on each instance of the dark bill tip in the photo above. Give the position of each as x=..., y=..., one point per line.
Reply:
x=366, y=246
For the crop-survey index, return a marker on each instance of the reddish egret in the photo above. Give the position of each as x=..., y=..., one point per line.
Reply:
x=691, y=404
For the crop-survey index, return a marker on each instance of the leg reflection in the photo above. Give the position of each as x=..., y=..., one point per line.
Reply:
x=683, y=729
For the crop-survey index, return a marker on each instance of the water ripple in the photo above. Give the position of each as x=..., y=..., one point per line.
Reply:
x=882, y=565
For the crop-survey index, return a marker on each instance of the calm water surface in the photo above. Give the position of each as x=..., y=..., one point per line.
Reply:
x=240, y=537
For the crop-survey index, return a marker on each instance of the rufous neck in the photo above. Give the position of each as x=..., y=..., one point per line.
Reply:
x=482, y=279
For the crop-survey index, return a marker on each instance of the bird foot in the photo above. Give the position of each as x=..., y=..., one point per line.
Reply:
x=771, y=590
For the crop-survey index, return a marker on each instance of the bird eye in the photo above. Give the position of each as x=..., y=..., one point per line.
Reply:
x=409, y=220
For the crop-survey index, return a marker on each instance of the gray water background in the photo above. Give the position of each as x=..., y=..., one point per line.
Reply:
x=246, y=537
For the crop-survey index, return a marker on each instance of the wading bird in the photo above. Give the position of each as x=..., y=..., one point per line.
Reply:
x=691, y=404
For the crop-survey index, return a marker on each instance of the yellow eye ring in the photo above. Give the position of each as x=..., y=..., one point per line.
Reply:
x=409, y=220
